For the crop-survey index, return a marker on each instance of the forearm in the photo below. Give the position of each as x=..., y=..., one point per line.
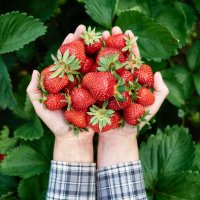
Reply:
x=117, y=150
x=73, y=150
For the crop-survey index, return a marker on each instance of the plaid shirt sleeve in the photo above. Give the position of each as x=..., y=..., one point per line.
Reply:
x=71, y=181
x=122, y=181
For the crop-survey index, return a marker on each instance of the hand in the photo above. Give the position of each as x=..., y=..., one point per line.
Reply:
x=120, y=145
x=67, y=147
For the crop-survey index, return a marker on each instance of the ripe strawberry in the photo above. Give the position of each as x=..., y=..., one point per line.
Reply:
x=92, y=41
x=88, y=64
x=81, y=99
x=126, y=76
x=54, y=85
x=116, y=41
x=101, y=85
x=102, y=119
x=121, y=42
x=108, y=51
x=94, y=68
x=145, y=97
x=70, y=86
x=77, y=118
x=2, y=157
x=77, y=48
x=119, y=105
x=111, y=59
x=46, y=70
x=144, y=75
x=133, y=113
x=55, y=101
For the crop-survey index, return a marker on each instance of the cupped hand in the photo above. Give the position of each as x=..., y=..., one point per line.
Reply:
x=160, y=92
x=55, y=119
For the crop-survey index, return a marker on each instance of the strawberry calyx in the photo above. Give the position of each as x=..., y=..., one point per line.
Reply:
x=132, y=89
x=100, y=116
x=90, y=36
x=142, y=119
x=130, y=42
x=110, y=63
x=76, y=129
x=133, y=62
x=65, y=64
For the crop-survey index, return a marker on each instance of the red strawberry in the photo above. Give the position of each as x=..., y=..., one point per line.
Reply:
x=88, y=64
x=92, y=40
x=77, y=118
x=116, y=41
x=2, y=157
x=54, y=85
x=77, y=48
x=114, y=119
x=109, y=50
x=94, y=68
x=121, y=42
x=118, y=105
x=126, y=76
x=145, y=97
x=81, y=99
x=144, y=75
x=70, y=86
x=111, y=59
x=46, y=70
x=55, y=101
x=132, y=113
x=101, y=85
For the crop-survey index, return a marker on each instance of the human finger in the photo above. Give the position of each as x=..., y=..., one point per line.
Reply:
x=105, y=35
x=69, y=38
x=79, y=30
x=116, y=30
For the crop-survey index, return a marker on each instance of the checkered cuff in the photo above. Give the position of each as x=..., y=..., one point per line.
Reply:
x=122, y=181
x=71, y=181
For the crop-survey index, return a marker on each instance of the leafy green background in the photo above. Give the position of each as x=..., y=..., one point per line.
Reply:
x=169, y=40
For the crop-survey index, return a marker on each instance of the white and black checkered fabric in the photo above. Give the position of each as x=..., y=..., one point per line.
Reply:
x=121, y=182
x=70, y=181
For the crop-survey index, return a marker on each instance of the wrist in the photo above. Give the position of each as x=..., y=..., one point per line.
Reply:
x=73, y=150
x=116, y=150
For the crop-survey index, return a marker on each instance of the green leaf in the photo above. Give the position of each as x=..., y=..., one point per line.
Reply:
x=173, y=19
x=6, y=143
x=31, y=130
x=137, y=5
x=197, y=4
x=26, y=186
x=154, y=40
x=179, y=186
x=101, y=11
x=189, y=15
x=184, y=77
x=25, y=162
x=193, y=56
x=8, y=184
x=196, y=78
x=176, y=92
x=18, y=29
x=7, y=99
x=165, y=153
x=196, y=162
x=47, y=7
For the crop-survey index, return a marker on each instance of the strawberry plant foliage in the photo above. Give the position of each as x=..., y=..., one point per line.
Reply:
x=7, y=99
x=25, y=28
x=25, y=162
x=6, y=143
x=197, y=157
x=168, y=152
x=101, y=11
x=154, y=48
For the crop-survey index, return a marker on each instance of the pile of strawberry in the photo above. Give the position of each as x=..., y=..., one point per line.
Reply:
x=98, y=83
